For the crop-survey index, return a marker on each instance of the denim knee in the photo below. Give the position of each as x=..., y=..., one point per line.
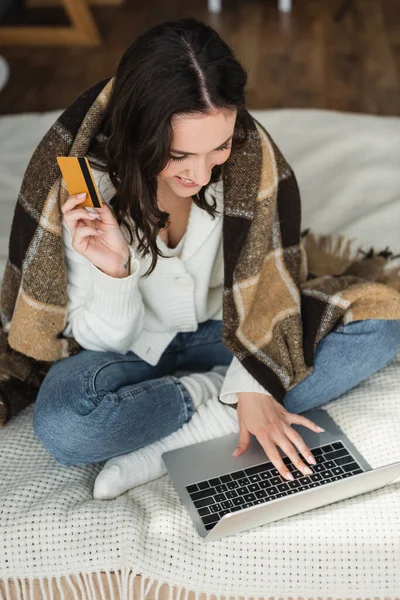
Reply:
x=383, y=336
x=48, y=428
x=56, y=421
x=344, y=358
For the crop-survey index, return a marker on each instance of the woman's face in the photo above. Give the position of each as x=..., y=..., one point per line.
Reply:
x=199, y=143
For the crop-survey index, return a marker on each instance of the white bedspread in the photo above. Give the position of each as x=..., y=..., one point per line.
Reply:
x=348, y=170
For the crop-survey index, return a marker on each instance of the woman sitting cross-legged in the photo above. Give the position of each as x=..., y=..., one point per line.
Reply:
x=195, y=263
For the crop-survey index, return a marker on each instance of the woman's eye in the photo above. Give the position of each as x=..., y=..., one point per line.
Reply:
x=224, y=147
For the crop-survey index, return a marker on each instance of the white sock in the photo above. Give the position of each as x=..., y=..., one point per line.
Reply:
x=203, y=386
x=121, y=473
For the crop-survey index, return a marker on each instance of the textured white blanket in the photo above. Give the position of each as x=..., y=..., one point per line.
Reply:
x=51, y=525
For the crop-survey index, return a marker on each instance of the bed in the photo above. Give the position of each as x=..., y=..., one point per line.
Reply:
x=56, y=541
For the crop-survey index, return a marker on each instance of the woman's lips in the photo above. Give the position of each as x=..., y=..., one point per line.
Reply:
x=184, y=183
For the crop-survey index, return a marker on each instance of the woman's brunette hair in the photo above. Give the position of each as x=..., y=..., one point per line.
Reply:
x=177, y=67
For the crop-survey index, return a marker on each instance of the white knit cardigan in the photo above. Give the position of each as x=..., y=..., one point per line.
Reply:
x=144, y=314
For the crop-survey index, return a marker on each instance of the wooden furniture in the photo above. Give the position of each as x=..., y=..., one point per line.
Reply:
x=42, y=3
x=83, y=29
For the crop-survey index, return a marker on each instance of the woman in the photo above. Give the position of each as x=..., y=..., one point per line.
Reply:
x=145, y=273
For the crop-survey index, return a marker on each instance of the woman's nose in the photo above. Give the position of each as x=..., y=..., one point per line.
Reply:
x=201, y=174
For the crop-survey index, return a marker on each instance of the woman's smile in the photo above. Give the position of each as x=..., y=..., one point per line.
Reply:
x=186, y=182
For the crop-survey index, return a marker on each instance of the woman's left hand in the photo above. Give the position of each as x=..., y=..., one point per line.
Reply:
x=264, y=417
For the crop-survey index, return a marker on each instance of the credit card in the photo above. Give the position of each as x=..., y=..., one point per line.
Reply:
x=78, y=178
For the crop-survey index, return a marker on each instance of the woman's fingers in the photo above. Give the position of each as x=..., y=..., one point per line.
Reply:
x=299, y=420
x=300, y=444
x=295, y=437
x=72, y=215
x=72, y=202
x=298, y=441
x=290, y=435
x=106, y=215
x=244, y=440
x=81, y=233
x=270, y=422
x=273, y=453
x=278, y=435
x=79, y=213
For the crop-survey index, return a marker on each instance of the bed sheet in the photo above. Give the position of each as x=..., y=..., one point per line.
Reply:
x=347, y=167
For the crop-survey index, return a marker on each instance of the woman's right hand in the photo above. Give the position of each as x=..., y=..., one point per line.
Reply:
x=97, y=237
x=267, y=419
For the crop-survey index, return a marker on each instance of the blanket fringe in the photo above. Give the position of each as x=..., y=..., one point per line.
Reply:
x=386, y=253
x=345, y=247
x=124, y=585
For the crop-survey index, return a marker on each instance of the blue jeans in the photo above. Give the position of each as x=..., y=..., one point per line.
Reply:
x=96, y=405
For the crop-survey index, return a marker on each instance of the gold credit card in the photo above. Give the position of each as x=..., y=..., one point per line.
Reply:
x=78, y=178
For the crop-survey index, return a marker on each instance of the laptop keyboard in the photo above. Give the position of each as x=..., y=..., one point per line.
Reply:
x=214, y=498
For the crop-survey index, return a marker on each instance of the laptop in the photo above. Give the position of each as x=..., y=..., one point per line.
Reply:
x=225, y=495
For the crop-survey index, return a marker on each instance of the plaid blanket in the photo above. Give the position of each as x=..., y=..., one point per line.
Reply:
x=283, y=290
